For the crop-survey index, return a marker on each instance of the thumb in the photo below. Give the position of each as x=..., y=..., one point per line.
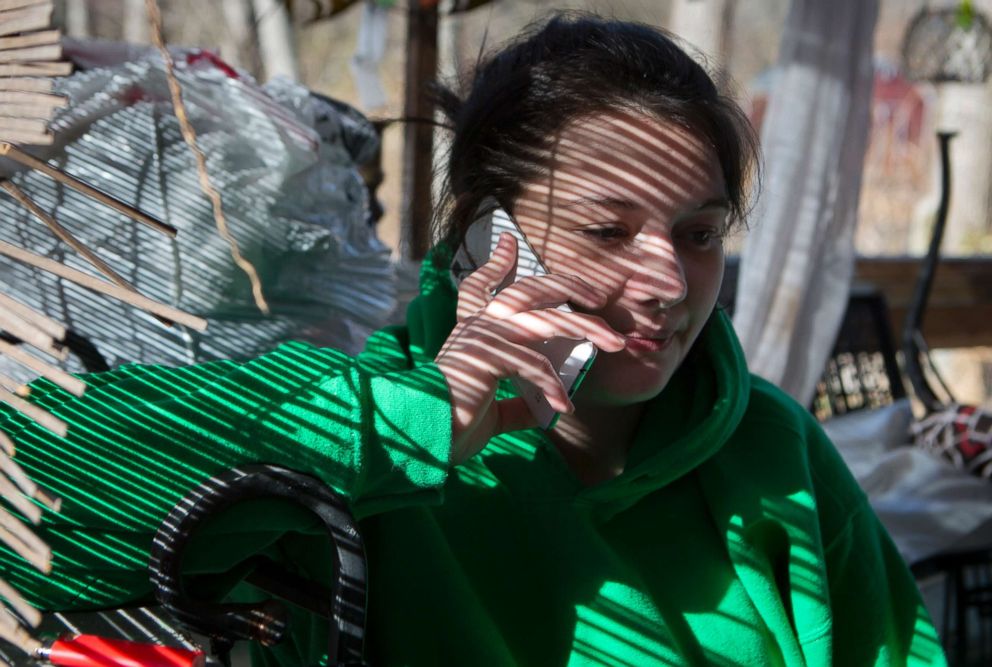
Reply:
x=514, y=415
x=504, y=261
x=500, y=271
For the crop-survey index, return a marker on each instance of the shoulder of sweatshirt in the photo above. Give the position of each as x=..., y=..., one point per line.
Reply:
x=775, y=420
x=387, y=350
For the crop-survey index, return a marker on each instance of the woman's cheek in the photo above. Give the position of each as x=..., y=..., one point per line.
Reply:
x=624, y=379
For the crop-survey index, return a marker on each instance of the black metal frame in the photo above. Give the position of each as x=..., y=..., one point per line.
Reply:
x=967, y=571
x=343, y=604
x=862, y=371
x=914, y=347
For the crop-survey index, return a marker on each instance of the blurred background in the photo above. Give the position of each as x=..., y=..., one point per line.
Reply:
x=366, y=53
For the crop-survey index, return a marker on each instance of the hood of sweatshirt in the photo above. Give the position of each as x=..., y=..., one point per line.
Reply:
x=683, y=427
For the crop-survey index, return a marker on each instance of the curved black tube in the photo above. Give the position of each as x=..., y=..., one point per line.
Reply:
x=266, y=621
x=912, y=336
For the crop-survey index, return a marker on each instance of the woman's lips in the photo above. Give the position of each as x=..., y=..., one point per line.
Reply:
x=639, y=344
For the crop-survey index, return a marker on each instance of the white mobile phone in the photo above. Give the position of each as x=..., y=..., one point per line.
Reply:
x=570, y=358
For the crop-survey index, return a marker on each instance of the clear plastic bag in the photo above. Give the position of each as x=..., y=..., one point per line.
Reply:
x=284, y=161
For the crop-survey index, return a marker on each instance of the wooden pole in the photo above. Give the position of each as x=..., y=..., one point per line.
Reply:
x=418, y=140
x=77, y=18
x=135, y=24
x=276, y=39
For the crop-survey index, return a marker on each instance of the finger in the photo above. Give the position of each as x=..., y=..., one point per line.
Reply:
x=523, y=362
x=550, y=291
x=501, y=269
x=506, y=253
x=539, y=325
x=475, y=367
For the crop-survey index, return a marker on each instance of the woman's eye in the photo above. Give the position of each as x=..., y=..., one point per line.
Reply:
x=611, y=233
x=704, y=238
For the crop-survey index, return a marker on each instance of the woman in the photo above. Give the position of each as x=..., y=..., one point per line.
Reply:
x=680, y=511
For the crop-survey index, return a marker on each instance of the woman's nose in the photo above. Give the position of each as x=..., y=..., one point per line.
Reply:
x=659, y=281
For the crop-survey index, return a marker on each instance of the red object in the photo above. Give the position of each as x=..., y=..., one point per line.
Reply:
x=213, y=59
x=93, y=651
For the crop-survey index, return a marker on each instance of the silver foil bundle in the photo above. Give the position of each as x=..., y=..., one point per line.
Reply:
x=284, y=161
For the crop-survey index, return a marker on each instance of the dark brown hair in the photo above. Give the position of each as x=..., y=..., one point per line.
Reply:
x=571, y=65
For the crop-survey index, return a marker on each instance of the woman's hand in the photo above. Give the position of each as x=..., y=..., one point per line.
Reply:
x=496, y=337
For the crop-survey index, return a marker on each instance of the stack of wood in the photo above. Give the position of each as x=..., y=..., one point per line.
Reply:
x=30, y=56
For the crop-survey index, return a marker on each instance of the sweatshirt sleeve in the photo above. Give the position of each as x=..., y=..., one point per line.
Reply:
x=378, y=435
x=878, y=614
x=142, y=437
x=382, y=439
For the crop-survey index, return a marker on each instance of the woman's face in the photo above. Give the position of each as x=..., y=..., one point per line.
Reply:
x=637, y=207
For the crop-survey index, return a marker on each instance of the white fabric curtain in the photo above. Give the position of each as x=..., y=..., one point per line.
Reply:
x=798, y=260
x=370, y=48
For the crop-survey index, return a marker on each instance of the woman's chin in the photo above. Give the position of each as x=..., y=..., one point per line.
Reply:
x=619, y=392
x=624, y=379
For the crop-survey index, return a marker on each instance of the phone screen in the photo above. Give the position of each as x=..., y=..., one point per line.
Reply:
x=570, y=358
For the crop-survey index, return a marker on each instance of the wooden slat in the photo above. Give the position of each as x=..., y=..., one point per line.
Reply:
x=6, y=445
x=27, y=84
x=31, y=53
x=36, y=69
x=45, y=138
x=49, y=326
x=70, y=383
x=26, y=331
x=6, y=5
x=14, y=153
x=25, y=111
x=35, y=17
x=24, y=125
x=42, y=417
x=68, y=238
x=18, y=501
x=97, y=285
x=22, y=532
x=31, y=39
x=40, y=559
x=34, y=99
x=31, y=615
x=17, y=475
x=11, y=631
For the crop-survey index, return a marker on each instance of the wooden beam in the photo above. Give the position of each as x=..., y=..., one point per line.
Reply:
x=418, y=138
x=959, y=311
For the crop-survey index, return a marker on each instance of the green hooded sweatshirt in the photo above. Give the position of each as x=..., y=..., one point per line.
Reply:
x=735, y=535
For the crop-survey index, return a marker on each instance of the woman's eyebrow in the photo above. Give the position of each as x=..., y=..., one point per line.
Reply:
x=719, y=202
x=712, y=202
x=608, y=202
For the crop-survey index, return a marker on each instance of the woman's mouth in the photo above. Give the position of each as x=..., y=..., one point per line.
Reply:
x=643, y=344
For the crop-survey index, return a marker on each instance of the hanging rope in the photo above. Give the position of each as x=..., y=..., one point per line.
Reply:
x=189, y=134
